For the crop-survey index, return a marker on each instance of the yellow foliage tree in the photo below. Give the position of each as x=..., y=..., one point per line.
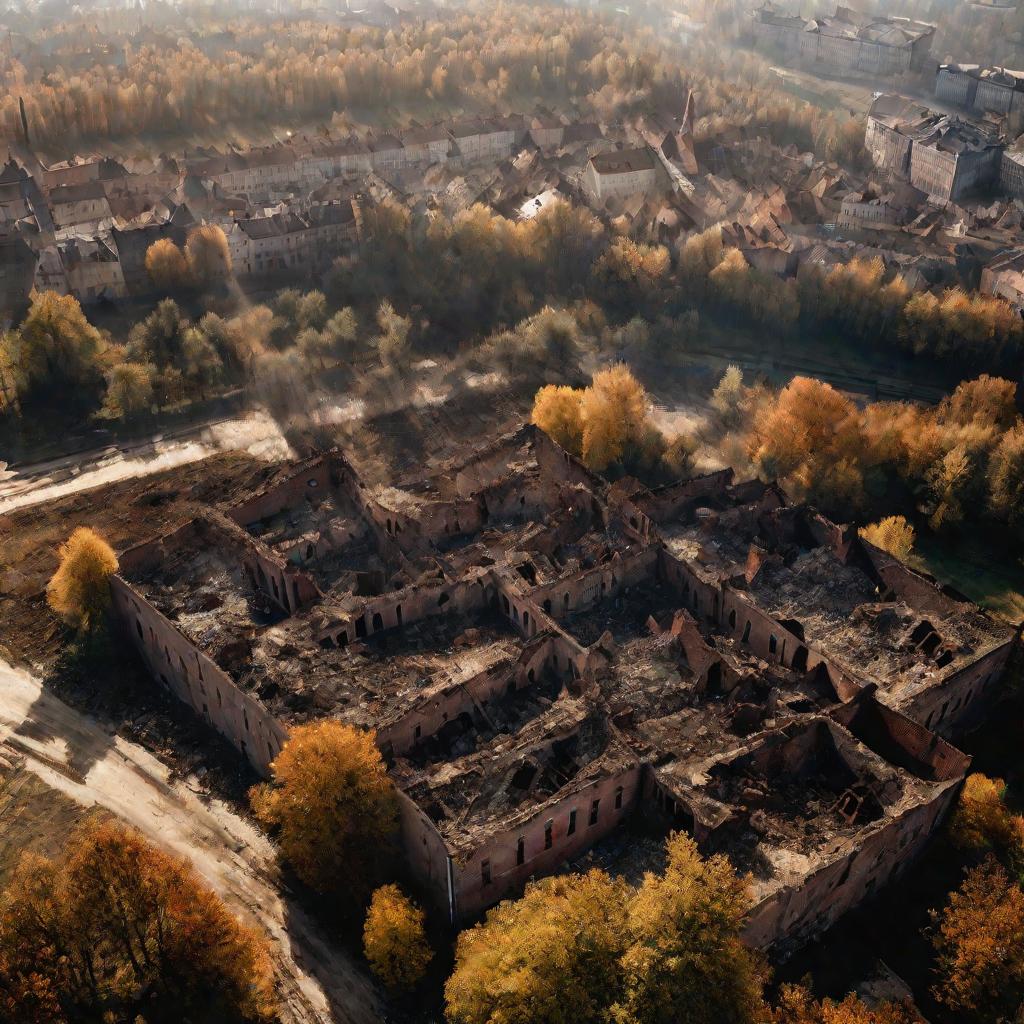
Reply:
x=980, y=947
x=167, y=266
x=893, y=534
x=798, y=1006
x=394, y=939
x=533, y=959
x=333, y=805
x=686, y=957
x=594, y=950
x=117, y=922
x=557, y=411
x=614, y=412
x=79, y=591
x=208, y=254
x=982, y=821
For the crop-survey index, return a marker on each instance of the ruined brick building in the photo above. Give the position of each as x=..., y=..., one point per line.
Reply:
x=545, y=656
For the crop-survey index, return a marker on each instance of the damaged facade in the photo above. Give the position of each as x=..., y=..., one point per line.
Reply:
x=545, y=656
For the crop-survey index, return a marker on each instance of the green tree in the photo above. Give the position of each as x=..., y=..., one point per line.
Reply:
x=54, y=356
x=158, y=339
x=129, y=391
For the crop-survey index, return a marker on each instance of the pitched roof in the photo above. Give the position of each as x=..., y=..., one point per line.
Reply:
x=622, y=161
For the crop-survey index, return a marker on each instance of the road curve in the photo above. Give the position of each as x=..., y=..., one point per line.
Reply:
x=318, y=983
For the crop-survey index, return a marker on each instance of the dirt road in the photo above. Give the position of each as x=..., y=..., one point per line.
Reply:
x=76, y=755
x=255, y=433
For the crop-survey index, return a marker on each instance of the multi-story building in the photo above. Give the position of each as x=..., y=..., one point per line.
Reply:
x=984, y=89
x=884, y=139
x=942, y=155
x=74, y=205
x=485, y=138
x=869, y=210
x=950, y=157
x=427, y=145
x=1004, y=278
x=620, y=172
x=847, y=41
x=1011, y=173
x=291, y=241
x=93, y=269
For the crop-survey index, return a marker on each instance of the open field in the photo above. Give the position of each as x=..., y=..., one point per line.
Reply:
x=993, y=579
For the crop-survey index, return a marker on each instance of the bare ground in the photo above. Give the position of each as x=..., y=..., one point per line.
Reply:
x=83, y=765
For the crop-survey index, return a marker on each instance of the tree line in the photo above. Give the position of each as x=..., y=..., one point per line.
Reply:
x=480, y=58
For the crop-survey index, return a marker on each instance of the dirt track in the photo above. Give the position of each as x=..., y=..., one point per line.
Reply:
x=77, y=756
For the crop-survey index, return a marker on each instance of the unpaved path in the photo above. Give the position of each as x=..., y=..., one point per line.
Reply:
x=255, y=433
x=78, y=756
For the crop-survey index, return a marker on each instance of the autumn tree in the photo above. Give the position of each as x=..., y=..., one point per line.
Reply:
x=54, y=356
x=79, y=591
x=609, y=424
x=988, y=401
x=167, y=266
x=550, y=957
x=557, y=411
x=810, y=438
x=394, y=939
x=129, y=390
x=393, y=343
x=979, y=944
x=333, y=807
x=796, y=1005
x=208, y=255
x=893, y=534
x=686, y=957
x=982, y=822
x=628, y=274
x=118, y=929
x=614, y=410
x=727, y=398
x=949, y=482
x=1005, y=478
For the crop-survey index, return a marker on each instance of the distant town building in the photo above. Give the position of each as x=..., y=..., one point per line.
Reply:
x=1011, y=173
x=1004, y=278
x=951, y=157
x=72, y=205
x=867, y=210
x=942, y=155
x=622, y=172
x=984, y=89
x=849, y=40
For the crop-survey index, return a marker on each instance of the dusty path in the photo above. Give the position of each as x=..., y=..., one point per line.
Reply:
x=77, y=755
x=255, y=433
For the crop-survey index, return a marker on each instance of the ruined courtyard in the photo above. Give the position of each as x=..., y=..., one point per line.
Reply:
x=546, y=656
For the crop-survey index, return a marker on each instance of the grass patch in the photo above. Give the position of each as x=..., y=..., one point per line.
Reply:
x=989, y=576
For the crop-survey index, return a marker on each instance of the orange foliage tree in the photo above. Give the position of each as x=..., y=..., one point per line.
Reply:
x=117, y=927
x=979, y=942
